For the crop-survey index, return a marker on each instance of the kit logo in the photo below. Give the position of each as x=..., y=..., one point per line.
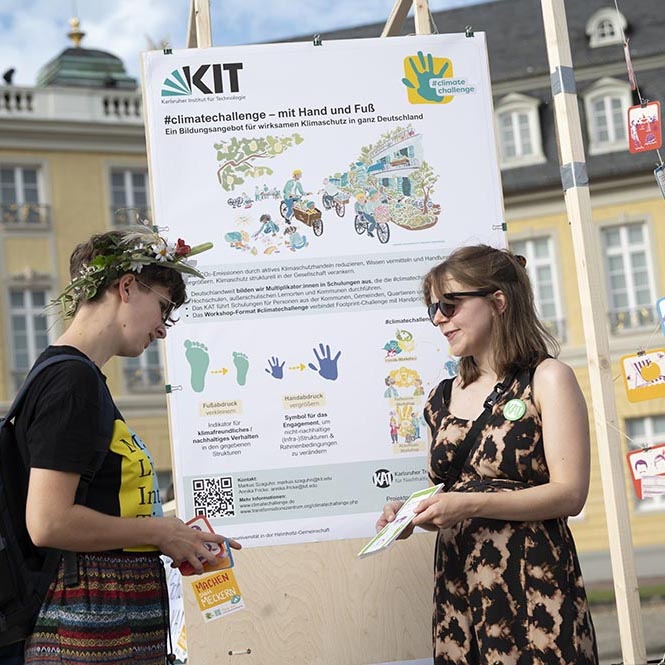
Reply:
x=383, y=478
x=206, y=79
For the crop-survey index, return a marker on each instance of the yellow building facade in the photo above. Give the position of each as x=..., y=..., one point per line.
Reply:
x=639, y=208
x=73, y=163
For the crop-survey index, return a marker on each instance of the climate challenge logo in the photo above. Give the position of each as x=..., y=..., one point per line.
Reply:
x=430, y=80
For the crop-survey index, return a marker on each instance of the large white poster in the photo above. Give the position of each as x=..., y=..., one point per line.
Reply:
x=330, y=178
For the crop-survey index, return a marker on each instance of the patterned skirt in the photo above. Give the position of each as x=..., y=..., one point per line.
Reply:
x=118, y=613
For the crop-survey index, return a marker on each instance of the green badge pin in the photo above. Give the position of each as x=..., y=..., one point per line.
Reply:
x=514, y=409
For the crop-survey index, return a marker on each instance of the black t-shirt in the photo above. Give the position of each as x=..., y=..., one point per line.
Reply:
x=60, y=427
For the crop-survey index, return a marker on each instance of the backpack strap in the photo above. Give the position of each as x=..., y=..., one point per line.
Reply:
x=32, y=375
x=71, y=576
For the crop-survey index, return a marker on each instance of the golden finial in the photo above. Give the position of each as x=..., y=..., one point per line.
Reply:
x=76, y=35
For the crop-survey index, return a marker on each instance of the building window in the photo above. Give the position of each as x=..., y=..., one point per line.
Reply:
x=20, y=197
x=630, y=277
x=518, y=131
x=606, y=27
x=129, y=196
x=144, y=374
x=641, y=433
x=542, y=272
x=607, y=106
x=29, y=329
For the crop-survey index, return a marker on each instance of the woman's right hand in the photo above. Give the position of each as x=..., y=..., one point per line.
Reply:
x=388, y=515
x=182, y=543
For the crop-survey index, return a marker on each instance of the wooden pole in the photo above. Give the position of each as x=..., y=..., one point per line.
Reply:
x=396, y=19
x=199, y=30
x=421, y=17
x=587, y=261
x=399, y=13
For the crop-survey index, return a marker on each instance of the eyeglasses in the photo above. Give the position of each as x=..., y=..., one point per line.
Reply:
x=166, y=307
x=447, y=304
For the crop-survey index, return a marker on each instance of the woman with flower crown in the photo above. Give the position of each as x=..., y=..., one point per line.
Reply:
x=111, y=604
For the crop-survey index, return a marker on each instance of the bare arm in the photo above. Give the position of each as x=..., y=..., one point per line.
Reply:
x=559, y=399
x=54, y=520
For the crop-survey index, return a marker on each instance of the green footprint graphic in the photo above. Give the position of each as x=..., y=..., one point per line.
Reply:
x=198, y=359
x=242, y=365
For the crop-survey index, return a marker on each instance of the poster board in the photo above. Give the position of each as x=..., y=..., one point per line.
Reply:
x=300, y=366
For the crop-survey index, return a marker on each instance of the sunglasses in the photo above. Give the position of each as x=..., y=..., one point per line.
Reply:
x=447, y=304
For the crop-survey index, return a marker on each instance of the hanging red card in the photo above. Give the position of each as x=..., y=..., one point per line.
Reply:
x=644, y=127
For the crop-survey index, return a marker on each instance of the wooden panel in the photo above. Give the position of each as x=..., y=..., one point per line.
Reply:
x=317, y=603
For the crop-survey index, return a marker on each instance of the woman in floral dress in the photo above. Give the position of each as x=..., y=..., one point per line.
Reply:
x=508, y=586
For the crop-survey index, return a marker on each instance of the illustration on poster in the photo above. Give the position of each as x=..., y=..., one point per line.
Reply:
x=198, y=360
x=390, y=182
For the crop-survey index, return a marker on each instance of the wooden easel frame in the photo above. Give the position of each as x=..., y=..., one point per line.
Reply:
x=199, y=27
x=199, y=35
x=399, y=13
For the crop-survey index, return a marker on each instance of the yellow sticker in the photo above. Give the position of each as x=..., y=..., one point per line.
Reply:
x=217, y=594
x=644, y=375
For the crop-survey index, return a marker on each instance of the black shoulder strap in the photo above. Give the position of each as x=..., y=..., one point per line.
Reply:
x=463, y=450
x=107, y=419
x=37, y=369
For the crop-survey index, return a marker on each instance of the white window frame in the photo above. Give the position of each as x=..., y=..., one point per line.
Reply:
x=608, y=89
x=22, y=206
x=514, y=105
x=656, y=503
x=29, y=311
x=625, y=250
x=556, y=326
x=142, y=376
x=122, y=215
x=595, y=27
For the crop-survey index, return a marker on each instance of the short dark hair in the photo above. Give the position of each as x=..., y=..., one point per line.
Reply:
x=152, y=275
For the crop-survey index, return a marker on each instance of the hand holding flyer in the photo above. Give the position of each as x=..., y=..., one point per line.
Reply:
x=404, y=516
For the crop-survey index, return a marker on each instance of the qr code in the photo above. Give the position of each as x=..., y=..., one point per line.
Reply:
x=213, y=497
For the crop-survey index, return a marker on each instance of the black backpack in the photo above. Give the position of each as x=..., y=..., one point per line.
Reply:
x=25, y=570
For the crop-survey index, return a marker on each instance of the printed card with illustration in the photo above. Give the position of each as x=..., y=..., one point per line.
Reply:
x=222, y=552
x=644, y=131
x=404, y=516
x=647, y=469
x=644, y=375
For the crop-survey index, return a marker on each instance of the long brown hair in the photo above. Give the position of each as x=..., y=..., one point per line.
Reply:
x=519, y=340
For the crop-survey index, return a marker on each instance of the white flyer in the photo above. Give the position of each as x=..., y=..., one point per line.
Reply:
x=404, y=517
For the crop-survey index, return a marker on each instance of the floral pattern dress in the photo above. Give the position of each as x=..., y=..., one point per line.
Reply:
x=506, y=592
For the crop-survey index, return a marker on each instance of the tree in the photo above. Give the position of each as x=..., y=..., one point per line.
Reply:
x=423, y=180
x=237, y=157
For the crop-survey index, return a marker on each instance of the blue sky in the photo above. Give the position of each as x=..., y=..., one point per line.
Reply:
x=32, y=32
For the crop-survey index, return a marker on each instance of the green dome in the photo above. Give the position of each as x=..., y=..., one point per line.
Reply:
x=86, y=68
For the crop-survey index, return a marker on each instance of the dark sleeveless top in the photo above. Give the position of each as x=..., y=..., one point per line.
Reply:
x=506, y=592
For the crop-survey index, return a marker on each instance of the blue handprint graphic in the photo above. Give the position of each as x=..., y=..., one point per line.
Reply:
x=275, y=368
x=425, y=74
x=327, y=365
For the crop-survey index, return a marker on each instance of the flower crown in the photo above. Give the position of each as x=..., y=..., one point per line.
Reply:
x=124, y=253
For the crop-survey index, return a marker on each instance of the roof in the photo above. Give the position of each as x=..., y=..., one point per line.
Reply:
x=518, y=56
